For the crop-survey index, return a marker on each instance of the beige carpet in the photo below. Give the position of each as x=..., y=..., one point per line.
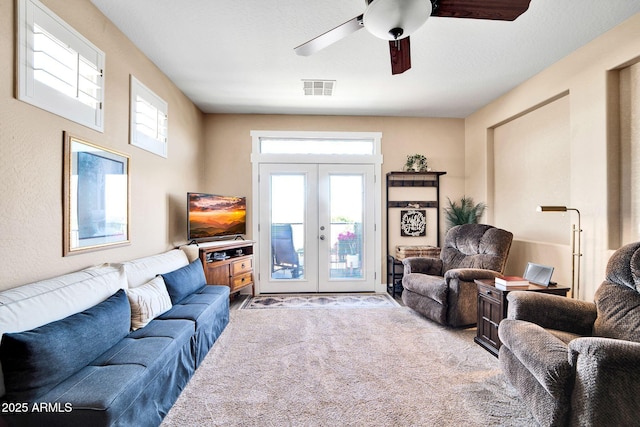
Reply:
x=360, y=367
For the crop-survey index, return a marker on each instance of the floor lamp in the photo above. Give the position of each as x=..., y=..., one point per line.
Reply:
x=575, y=247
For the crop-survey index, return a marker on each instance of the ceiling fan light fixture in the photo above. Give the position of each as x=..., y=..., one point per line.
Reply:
x=383, y=18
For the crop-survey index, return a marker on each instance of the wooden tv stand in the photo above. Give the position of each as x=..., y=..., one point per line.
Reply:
x=229, y=263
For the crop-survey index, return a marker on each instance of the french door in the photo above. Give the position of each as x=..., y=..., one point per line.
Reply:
x=316, y=230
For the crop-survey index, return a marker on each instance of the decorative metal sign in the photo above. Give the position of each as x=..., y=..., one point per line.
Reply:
x=413, y=223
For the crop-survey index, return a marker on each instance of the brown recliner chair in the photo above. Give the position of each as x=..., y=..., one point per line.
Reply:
x=577, y=362
x=443, y=289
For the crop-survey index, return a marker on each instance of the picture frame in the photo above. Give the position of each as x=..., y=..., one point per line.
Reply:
x=538, y=274
x=96, y=197
x=413, y=223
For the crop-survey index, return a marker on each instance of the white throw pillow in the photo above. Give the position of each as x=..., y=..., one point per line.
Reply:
x=140, y=271
x=148, y=302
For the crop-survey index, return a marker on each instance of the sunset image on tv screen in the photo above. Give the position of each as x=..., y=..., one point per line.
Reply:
x=211, y=216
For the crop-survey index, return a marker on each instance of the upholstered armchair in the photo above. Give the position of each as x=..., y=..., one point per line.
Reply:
x=443, y=289
x=575, y=362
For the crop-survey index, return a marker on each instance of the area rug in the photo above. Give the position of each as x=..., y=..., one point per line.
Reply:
x=320, y=301
x=364, y=367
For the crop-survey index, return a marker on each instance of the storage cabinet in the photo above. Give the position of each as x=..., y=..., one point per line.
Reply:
x=492, y=308
x=228, y=263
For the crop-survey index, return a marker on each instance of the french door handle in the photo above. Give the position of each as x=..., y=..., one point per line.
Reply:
x=322, y=237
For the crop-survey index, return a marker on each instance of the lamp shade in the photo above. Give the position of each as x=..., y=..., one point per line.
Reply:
x=383, y=18
x=551, y=209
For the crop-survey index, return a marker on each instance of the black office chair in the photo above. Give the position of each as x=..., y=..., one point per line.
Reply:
x=285, y=257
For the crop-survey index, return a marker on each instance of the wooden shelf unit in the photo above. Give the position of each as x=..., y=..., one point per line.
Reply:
x=414, y=179
x=410, y=179
x=228, y=263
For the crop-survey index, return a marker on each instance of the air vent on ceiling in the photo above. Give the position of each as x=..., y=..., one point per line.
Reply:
x=318, y=87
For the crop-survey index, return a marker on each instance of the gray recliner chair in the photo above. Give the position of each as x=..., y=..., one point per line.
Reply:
x=443, y=289
x=576, y=362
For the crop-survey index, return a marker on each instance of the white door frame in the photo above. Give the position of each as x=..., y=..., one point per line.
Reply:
x=374, y=159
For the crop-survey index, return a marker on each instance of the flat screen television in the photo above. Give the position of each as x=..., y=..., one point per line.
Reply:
x=211, y=216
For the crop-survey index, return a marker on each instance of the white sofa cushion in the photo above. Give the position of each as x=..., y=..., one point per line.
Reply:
x=192, y=251
x=142, y=270
x=36, y=304
x=148, y=302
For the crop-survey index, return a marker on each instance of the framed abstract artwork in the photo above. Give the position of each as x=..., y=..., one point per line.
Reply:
x=96, y=197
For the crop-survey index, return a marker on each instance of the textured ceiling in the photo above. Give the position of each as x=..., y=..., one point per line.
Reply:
x=237, y=57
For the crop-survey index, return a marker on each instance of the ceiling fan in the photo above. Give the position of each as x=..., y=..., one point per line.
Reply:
x=395, y=20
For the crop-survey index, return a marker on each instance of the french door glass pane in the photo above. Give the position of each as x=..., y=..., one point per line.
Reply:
x=287, y=226
x=346, y=202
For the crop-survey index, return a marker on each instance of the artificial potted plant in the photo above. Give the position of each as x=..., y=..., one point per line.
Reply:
x=416, y=163
x=464, y=212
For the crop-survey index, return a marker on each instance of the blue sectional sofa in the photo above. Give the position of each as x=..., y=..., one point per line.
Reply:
x=112, y=345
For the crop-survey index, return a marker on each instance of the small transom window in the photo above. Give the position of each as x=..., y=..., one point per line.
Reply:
x=316, y=146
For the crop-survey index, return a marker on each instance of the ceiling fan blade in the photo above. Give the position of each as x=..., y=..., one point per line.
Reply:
x=502, y=10
x=330, y=37
x=400, y=55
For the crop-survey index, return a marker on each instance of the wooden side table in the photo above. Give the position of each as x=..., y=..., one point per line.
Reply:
x=492, y=308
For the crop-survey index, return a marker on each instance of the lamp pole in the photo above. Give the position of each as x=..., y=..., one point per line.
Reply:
x=575, y=254
x=575, y=247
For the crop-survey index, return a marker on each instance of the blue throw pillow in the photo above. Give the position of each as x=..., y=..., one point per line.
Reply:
x=35, y=361
x=184, y=281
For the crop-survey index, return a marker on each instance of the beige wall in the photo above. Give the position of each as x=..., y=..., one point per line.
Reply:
x=630, y=153
x=531, y=154
x=31, y=149
x=212, y=152
x=228, y=149
x=583, y=76
x=531, y=158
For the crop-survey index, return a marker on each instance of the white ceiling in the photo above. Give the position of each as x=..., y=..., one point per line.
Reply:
x=237, y=56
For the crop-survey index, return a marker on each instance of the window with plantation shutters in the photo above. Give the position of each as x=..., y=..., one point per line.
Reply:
x=58, y=69
x=149, y=119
